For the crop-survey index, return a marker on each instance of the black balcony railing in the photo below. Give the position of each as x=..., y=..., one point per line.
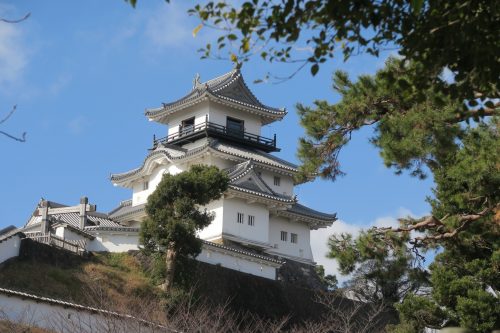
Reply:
x=193, y=132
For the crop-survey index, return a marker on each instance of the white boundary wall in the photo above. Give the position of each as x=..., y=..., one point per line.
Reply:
x=114, y=242
x=9, y=248
x=256, y=267
x=68, y=318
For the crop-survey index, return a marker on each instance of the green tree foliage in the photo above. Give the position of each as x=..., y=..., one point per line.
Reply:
x=329, y=281
x=174, y=214
x=461, y=36
x=421, y=131
x=380, y=273
x=413, y=127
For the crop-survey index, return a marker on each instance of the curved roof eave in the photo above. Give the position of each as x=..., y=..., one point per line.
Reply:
x=211, y=145
x=266, y=196
x=229, y=88
x=161, y=114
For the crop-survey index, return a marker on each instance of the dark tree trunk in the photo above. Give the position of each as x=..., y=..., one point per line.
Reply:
x=170, y=258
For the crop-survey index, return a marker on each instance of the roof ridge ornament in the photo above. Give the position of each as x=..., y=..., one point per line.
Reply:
x=196, y=81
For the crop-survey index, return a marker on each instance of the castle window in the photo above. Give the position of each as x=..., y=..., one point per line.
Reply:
x=277, y=181
x=145, y=185
x=251, y=220
x=240, y=218
x=294, y=238
x=187, y=126
x=284, y=236
x=235, y=126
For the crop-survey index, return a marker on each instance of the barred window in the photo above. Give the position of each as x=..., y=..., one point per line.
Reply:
x=251, y=220
x=294, y=238
x=240, y=218
x=145, y=185
x=277, y=181
x=284, y=236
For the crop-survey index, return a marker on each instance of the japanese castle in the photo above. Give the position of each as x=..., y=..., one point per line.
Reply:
x=259, y=225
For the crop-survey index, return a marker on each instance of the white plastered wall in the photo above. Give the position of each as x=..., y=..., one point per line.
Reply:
x=60, y=232
x=114, y=242
x=286, y=182
x=9, y=248
x=198, y=111
x=221, y=163
x=218, y=114
x=237, y=263
x=259, y=232
x=302, y=249
x=140, y=195
x=214, y=230
x=64, y=318
x=71, y=235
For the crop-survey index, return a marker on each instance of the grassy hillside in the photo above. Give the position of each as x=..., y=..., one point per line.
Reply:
x=118, y=276
x=226, y=299
x=120, y=281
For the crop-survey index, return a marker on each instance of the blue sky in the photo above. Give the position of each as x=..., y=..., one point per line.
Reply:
x=82, y=73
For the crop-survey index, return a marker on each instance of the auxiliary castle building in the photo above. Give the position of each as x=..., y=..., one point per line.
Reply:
x=259, y=224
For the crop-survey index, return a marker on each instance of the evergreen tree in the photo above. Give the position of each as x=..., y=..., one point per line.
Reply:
x=174, y=214
x=379, y=273
x=422, y=131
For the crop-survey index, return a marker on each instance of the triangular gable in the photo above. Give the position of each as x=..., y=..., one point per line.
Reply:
x=252, y=181
x=239, y=91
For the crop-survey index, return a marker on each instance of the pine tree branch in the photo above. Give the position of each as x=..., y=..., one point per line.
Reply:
x=432, y=223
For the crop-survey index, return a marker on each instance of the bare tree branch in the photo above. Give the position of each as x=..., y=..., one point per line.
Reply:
x=16, y=21
x=21, y=138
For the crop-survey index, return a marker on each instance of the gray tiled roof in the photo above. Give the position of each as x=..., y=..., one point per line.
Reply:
x=309, y=212
x=10, y=234
x=70, y=217
x=237, y=152
x=246, y=253
x=124, y=203
x=229, y=87
x=255, y=184
x=73, y=219
x=126, y=209
x=241, y=170
x=254, y=154
x=120, y=228
x=6, y=230
x=260, y=193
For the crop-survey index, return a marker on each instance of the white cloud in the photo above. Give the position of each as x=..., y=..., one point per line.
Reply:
x=319, y=245
x=319, y=238
x=13, y=53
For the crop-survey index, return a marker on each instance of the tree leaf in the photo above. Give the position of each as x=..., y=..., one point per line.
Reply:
x=314, y=69
x=197, y=29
